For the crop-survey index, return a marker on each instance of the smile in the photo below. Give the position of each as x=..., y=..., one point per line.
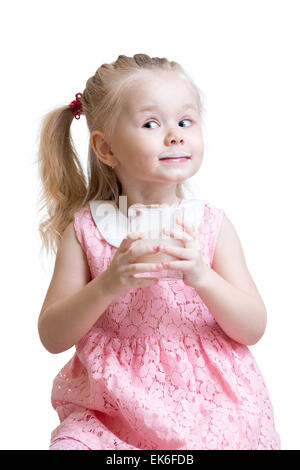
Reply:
x=175, y=160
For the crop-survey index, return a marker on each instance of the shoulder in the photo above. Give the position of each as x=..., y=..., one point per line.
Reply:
x=71, y=250
x=71, y=262
x=82, y=211
x=211, y=211
x=212, y=217
x=82, y=222
x=227, y=235
x=229, y=258
x=70, y=239
x=71, y=270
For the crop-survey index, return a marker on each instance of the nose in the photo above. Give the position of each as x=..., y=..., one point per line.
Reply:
x=174, y=137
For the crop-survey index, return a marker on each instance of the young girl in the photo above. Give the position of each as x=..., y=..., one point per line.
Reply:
x=159, y=363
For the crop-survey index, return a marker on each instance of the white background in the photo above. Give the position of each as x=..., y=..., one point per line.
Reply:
x=244, y=56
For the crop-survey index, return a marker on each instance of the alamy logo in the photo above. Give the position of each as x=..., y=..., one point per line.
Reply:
x=141, y=218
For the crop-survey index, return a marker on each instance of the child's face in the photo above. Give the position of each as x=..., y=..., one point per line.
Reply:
x=173, y=125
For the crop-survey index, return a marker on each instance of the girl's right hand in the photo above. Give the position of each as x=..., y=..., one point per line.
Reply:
x=119, y=276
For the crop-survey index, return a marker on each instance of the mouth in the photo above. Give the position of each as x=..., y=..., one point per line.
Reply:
x=175, y=158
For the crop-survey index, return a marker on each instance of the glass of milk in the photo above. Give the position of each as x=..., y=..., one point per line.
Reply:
x=151, y=219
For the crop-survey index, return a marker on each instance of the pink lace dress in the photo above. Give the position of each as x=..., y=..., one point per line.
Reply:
x=156, y=371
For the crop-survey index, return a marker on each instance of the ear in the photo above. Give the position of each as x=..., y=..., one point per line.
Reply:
x=101, y=147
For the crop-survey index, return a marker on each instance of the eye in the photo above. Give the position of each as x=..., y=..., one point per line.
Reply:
x=149, y=123
x=184, y=120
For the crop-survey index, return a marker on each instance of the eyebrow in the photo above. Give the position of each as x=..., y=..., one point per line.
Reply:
x=153, y=108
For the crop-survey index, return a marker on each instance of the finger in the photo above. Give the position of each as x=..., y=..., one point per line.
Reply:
x=138, y=249
x=183, y=253
x=144, y=267
x=135, y=235
x=144, y=282
x=179, y=235
x=181, y=265
x=188, y=226
x=131, y=237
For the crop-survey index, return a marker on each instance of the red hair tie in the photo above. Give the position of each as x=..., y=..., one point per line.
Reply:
x=76, y=106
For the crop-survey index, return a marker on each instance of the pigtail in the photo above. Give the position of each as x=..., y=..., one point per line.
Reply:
x=62, y=178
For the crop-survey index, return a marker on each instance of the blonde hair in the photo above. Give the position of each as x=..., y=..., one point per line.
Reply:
x=64, y=186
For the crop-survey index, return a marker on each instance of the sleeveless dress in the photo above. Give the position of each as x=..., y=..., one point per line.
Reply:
x=156, y=371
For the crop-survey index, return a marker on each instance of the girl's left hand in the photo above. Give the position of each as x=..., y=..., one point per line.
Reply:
x=191, y=262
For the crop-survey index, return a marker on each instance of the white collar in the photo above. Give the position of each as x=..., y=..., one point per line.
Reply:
x=113, y=224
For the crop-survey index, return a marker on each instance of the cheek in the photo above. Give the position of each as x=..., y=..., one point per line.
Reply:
x=198, y=144
x=135, y=141
x=138, y=148
x=144, y=147
x=201, y=150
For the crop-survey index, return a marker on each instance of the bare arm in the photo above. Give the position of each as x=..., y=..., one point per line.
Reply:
x=229, y=292
x=64, y=323
x=242, y=316
x=72, y=304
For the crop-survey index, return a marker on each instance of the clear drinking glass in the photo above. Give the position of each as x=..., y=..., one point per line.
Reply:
x=151, y=219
